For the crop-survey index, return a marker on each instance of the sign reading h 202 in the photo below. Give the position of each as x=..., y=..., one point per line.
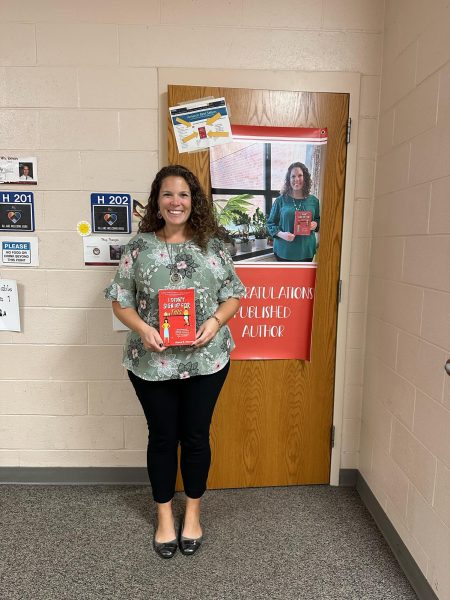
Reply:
x=16, y=211
x=111, y=213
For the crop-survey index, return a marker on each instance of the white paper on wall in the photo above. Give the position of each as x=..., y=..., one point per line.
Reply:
x=9, y=306
x=102, y=250
x=18, y=170
x=118, y=325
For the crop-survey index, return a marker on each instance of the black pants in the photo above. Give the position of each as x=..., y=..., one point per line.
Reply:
x=286, y=260
x=179, y=411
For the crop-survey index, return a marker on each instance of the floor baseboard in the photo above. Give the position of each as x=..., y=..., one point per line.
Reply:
x=103, y=475
x=348, y=477
x=409, y=566
x=74, y=475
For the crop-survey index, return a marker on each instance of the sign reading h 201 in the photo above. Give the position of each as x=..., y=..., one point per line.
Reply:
x=16, y=211
x=111, y=213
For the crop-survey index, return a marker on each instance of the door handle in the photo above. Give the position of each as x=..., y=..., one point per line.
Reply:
x=447, y=366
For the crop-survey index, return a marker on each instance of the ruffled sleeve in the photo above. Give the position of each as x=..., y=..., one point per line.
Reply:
x=123, y=286
x=232, y=286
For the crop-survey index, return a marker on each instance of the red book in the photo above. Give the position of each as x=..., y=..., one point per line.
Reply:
x=177, y=317
x=302, y=223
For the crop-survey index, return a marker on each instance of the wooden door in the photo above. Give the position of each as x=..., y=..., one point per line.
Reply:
x=272, y=424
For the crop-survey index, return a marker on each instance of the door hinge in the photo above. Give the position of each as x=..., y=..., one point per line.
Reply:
x=349, y=129
x=333, y=431
x=339, y=291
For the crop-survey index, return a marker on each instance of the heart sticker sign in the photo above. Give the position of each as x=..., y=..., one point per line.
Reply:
x=110, y=218
x=110, y=213
x=16, y=211
x=14, y=216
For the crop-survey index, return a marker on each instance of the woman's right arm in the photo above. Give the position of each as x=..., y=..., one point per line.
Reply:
x=273, y=223
x=122, y=292
x=273, y=220
x=149, y=335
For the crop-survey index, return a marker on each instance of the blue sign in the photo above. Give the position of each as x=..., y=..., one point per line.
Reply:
x=111, y=213
x=16, y=211
x=16, y=245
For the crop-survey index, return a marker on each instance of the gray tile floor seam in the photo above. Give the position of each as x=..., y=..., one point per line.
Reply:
x=94, y=542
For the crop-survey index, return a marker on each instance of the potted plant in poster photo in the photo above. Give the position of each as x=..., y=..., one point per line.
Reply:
x=243, y=221
x=229, y=240
x=259, y=229
x=226, y=210
x=244, y=241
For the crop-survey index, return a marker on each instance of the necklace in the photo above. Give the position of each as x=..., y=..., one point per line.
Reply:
x=174, y=277
x=294, y=200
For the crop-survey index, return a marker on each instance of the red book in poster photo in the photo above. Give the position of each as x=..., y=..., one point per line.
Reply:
x=302, y=223
x=177, y=317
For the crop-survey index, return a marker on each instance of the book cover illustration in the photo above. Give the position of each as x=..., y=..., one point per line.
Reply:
x=177, y=325
x=302, y=223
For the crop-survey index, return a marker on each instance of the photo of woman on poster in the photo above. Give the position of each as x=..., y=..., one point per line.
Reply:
x=295, y=217
x=271, y=211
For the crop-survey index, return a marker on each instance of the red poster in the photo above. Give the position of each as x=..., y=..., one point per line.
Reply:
x=275, y=317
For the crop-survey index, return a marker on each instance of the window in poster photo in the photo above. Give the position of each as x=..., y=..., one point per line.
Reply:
x=252, y=174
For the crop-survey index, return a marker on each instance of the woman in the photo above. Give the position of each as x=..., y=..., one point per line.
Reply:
x=178, y=246
x=295, y=198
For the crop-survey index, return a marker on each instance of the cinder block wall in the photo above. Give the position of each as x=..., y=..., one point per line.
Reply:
x=405, y=437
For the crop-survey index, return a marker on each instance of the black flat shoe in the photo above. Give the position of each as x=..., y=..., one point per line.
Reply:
x=189, y=546
x=165, y=549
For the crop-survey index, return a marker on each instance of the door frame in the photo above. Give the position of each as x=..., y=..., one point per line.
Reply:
x=292, y=81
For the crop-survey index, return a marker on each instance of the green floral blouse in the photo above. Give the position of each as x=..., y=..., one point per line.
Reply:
x=145, y=268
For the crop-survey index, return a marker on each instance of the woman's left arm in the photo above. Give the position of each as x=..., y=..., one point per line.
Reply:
x=315, y=223
x=209, y=328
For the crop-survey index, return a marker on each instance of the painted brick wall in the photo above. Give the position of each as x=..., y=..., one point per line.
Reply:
x=405, y=436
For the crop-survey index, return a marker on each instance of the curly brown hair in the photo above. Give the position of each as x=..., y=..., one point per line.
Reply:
x=202, y=220
x=286, y=189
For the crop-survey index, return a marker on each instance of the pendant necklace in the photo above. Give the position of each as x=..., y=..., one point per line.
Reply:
x=174, y=276
x=294, y=200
